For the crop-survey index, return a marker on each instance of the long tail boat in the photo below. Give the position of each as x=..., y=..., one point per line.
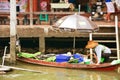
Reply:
x=101, y=67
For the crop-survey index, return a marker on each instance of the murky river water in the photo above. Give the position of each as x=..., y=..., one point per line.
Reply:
x=49, y=73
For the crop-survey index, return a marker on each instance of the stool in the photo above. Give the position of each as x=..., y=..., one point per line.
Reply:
x=43, y=17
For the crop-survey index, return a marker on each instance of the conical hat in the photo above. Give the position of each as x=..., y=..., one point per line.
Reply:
x=91, y=44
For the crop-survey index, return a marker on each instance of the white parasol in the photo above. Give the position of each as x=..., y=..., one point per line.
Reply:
x=76, y=22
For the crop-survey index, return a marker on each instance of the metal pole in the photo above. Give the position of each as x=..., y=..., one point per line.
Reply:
x=79, y=9
x=74, y=42
x=13, y=22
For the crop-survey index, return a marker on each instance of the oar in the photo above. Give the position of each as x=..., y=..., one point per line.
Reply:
x=16, y=68
x=3, y=60
x=10, y=67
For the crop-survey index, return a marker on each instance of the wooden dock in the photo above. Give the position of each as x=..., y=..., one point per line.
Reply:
x=46, y=30
x=26, y=31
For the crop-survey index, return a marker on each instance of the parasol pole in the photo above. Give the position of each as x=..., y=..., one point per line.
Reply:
x=74, y=42
x=75, y=31
x=79, y=8
x=74, y=45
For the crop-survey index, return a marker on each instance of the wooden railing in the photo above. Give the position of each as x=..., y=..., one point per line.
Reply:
x=5, y=17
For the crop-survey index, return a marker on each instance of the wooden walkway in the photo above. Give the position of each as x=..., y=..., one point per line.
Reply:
x=46, y=30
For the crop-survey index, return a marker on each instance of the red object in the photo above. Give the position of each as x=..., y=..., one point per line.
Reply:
x=44, y=5
x=35, y=5
x=101, y=67
x=28, y=6
x=119, y=25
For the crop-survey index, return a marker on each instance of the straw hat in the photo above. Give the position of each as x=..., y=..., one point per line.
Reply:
x=91, y=44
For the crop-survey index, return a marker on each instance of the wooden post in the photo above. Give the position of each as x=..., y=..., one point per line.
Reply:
x=31, y=13
x=42, y=44
x=13, y=23
x=90, y=38
x=117, y=38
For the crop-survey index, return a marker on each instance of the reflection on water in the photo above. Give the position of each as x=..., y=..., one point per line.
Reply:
x=49, y=73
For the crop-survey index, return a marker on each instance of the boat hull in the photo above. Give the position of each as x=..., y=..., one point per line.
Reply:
x=102, y=67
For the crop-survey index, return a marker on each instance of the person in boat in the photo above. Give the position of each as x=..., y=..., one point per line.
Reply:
x=101, y=51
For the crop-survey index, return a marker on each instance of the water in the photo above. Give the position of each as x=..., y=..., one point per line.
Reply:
x=50, y=73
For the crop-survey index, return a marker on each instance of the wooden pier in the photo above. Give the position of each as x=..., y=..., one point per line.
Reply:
x=26, y=31
x=45, y=30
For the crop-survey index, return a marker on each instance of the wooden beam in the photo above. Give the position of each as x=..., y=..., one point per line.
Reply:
x=31, y=11
x=42, y=44
x=49, y=12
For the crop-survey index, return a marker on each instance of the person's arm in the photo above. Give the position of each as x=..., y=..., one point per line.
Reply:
x=98, y=51
x=95, y=57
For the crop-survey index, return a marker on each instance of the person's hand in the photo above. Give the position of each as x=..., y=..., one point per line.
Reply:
x=97, y=64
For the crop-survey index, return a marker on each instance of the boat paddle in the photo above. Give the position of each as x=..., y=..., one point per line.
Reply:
x=16, y=68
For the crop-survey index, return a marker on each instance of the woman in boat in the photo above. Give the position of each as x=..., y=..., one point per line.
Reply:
x=101, y=51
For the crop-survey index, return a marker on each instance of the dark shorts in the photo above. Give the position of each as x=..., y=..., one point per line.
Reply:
x=106, y=56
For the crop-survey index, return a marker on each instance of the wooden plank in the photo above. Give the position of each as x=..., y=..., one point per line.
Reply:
x=103, y=33
x=23, y=69
x=44, y=12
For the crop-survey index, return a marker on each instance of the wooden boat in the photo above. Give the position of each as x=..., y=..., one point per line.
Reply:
x=102, y=67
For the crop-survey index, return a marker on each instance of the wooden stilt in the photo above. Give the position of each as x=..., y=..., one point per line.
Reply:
x=117, y=38
x=118, y=69
x=42, y=44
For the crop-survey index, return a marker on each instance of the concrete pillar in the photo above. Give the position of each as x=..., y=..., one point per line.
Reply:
x=42, y=44
x=13, y=49
x=13, y=22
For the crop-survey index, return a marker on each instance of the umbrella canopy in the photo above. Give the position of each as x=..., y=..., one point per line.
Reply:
x=76, y=22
